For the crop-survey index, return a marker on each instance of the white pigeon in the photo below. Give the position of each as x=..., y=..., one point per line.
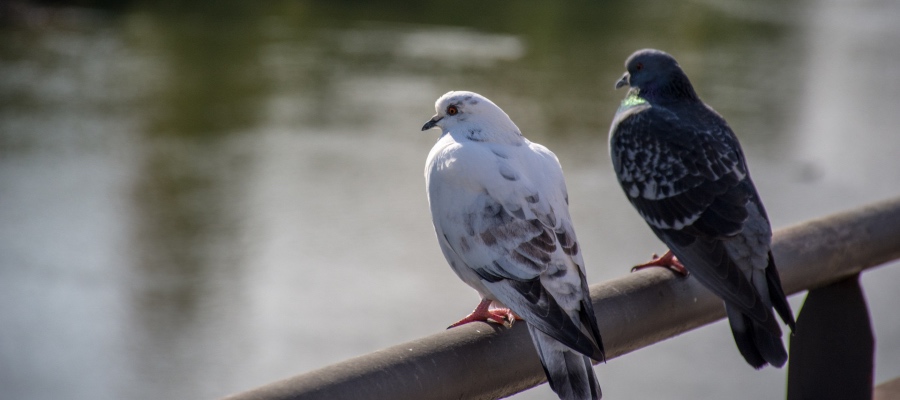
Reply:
x=500, y=210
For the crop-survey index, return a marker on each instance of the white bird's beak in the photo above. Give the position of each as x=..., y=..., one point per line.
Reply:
x=431, y=122
x=624, y=81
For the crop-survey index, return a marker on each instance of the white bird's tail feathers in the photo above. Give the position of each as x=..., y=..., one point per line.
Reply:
x=570, y=373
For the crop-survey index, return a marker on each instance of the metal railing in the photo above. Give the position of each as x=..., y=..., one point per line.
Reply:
x=478, y=361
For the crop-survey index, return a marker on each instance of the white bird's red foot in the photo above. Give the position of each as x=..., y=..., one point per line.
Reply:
x=484, y=313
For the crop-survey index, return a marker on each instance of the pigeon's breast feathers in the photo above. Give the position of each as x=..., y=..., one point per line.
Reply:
x=631, y=100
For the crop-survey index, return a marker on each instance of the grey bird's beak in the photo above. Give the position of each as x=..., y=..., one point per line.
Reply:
x=431, y=123
x=623, y=81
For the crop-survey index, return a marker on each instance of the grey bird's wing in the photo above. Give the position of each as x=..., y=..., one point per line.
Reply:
x=685, y=174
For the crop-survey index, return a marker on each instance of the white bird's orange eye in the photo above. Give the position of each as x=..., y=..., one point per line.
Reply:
x=452, y=110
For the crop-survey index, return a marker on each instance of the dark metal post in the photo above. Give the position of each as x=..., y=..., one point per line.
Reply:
x=833, y=349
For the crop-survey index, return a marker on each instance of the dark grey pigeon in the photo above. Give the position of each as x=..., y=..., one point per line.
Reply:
x=683, y=169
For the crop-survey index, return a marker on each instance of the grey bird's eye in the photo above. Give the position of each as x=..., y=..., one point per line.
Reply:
x=639, y=66
x=452, y=110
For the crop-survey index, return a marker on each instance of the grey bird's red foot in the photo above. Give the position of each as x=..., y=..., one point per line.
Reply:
x=502, y=316
x=667, y=260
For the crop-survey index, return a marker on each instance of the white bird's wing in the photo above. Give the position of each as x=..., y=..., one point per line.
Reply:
x=502, y=218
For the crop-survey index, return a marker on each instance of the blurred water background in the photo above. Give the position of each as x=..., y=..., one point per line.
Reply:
x=197, y=198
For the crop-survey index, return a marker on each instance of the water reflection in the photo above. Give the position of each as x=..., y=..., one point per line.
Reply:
x=200, y=198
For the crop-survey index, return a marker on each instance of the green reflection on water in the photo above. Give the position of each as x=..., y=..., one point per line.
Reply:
x=215, y=59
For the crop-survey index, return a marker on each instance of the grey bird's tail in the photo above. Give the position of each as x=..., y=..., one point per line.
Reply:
x=757, y=343
x=570, y=373
x=761, y=344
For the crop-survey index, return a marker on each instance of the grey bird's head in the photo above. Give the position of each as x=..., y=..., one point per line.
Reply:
x=472, y=113
x=655, y=73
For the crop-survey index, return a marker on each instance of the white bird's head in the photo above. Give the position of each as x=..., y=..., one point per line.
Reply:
x=471, y=113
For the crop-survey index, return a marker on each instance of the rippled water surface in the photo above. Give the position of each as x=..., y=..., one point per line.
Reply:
x=199, y=199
